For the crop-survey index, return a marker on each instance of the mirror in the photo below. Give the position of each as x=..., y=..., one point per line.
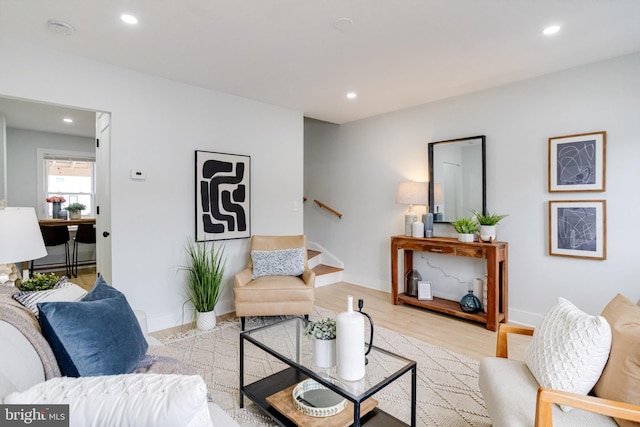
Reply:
x=457, y=178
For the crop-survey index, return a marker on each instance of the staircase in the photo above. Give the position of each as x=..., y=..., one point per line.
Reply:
x=327, y=267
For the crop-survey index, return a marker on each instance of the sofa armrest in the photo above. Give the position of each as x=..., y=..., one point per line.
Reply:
x=309, y=277
x=547, y=397
x=242, y=278
x=502, y=342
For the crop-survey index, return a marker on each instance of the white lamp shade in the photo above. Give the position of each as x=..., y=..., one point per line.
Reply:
x=20, y=236
x=413, y=193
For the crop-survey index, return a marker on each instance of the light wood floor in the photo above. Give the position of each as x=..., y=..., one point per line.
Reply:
x=460, y=336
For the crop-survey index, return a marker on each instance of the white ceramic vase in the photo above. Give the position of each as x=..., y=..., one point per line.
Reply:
x=488, y=233
x=206, y=321
x=324, y=353
x=466, y=237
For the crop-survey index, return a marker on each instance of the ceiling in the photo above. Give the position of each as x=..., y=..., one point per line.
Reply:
x=306, y=55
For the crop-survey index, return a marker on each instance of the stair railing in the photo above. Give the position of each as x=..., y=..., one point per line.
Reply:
x=330, y=209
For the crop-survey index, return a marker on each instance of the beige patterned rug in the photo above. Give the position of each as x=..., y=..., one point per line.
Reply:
x=448, y=393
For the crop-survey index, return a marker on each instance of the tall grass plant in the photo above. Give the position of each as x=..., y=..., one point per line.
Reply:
x=205, y=272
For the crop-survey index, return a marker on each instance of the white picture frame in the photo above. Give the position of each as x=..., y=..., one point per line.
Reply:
x=424, y=291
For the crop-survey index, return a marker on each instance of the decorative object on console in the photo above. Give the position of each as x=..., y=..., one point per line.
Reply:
x=56, y=206
x=412, y=279
x=577, y=228
x=487, y=224
x=466, y=229
x=412, y=193
x=577, y=162
x=204, y=283
x=470, y=303
x=417, y=229
x=222, y=196
x=350, y=343
x=75, y=210
x=323, y=332
x=21, y=241
x=424, y=291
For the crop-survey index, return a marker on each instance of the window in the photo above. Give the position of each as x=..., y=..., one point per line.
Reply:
x=70, y=175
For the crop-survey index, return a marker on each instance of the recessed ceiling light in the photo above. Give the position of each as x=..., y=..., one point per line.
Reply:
x=551, y=30
x=67, y=120
x=352, y=95
x=129, y=19
x=60, y=27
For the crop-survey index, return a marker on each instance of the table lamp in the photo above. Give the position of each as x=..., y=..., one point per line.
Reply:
x=20, y=240
x=412, y=193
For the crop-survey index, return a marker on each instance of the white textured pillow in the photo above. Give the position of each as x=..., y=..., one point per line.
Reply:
x=282, y=262
x=569, y=349
x=63, y=291
x=130, y=400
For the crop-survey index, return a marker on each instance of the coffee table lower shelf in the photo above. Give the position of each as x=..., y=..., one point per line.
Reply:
x=258, y=392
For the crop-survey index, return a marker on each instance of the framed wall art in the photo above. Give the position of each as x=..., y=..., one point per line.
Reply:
x=578, y=228
x=222, y=196
x=577, y=162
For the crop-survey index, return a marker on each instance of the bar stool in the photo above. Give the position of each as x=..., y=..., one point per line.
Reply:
x=54, y=236
x=86, y=233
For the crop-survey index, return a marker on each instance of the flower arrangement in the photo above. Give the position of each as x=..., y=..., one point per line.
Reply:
x=56, y=199
x=323, y=329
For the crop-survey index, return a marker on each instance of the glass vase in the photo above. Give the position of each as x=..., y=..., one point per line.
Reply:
x=470, y=303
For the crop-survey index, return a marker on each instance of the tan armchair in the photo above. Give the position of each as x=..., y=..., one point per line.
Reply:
x=514, y=398
x=274, y=295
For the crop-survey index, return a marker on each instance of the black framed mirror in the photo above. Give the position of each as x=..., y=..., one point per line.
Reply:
x=457, y=178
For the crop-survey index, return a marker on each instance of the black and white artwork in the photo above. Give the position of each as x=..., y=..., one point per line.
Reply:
x=577, y=228
x=577, y=162
x=222, y=196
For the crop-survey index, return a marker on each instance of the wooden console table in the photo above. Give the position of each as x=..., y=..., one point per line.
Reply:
x=495, y=253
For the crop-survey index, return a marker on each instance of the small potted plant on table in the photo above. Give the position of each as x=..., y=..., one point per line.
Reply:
x=75, y=210
x=466, y=229
x=488, y=225
x=323, y=332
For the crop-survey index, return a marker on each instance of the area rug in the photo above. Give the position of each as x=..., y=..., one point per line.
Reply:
x=448, y=393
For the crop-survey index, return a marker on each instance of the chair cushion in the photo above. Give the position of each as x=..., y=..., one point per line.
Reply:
x=274, y=289
x=569, y=349
x=98, y=335
x=620, y=379
x=283, y=262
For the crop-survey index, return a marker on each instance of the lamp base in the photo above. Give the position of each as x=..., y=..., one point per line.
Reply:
x=9, y=274
x=409, y=219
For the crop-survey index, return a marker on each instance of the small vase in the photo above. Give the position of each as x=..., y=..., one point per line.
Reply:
x=75, y=215
x=411, y=283
x=206, y=321
x=466, y=237
x=56, y=209
x=324, y=353
x=488, y=233
x=470, y=303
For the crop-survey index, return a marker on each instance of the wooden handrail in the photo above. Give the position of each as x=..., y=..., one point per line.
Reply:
x=333, y=211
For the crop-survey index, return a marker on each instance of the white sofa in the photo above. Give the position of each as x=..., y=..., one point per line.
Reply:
x=22, y=371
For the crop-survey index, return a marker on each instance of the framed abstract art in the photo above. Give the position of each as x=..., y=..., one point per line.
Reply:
x=577, y=228
x=577, y=162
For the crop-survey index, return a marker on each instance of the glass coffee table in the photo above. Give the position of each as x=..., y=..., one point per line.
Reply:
x=285, y=341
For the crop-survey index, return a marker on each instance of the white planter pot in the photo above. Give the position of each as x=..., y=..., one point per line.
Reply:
x=466, y=237
x=488, y=233
x=324, y=353
x=206, y=321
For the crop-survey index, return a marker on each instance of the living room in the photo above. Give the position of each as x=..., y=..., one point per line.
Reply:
x=157, y=124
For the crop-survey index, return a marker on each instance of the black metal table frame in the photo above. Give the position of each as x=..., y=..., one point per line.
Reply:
x=305, y=372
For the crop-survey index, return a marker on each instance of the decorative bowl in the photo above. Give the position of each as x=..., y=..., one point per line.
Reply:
x=313, y=399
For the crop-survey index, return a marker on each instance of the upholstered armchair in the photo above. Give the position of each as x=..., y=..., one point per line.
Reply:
x=277, y=280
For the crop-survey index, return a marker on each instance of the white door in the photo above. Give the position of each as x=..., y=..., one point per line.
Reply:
x=103, y=195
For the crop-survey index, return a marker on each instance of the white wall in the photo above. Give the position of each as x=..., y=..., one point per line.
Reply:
x=156, y=125
x=356, y=168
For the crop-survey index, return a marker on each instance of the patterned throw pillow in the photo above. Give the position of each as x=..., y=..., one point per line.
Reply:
x=283, y=262
x=62, y=291
x=569, y=349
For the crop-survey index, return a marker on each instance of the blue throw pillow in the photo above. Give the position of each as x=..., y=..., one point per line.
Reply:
x=98, y=335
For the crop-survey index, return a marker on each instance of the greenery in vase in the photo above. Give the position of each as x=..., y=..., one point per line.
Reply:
x=205, y=272
x=465, y=225
x=76, y=207
x=39, y=282
x=323, y=329
x=488, y=219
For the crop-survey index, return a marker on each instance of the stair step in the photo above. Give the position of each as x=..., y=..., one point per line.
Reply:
x=312, y=253
x=322, y=269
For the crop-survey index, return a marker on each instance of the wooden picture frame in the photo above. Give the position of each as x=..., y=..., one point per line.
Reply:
x=577, y=162
x=578, y=228
x=222, y=196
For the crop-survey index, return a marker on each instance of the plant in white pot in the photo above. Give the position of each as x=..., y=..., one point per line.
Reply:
x=323, y=332
x=204, y=282
x=487, y=225
x=466, y=229
x=75, y=209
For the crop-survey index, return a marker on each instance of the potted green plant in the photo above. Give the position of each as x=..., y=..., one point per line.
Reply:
x=204, y=282
x=75, y=209
x=323, y=332
x=466, y=228
x=39, y=282
x=488, y=225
